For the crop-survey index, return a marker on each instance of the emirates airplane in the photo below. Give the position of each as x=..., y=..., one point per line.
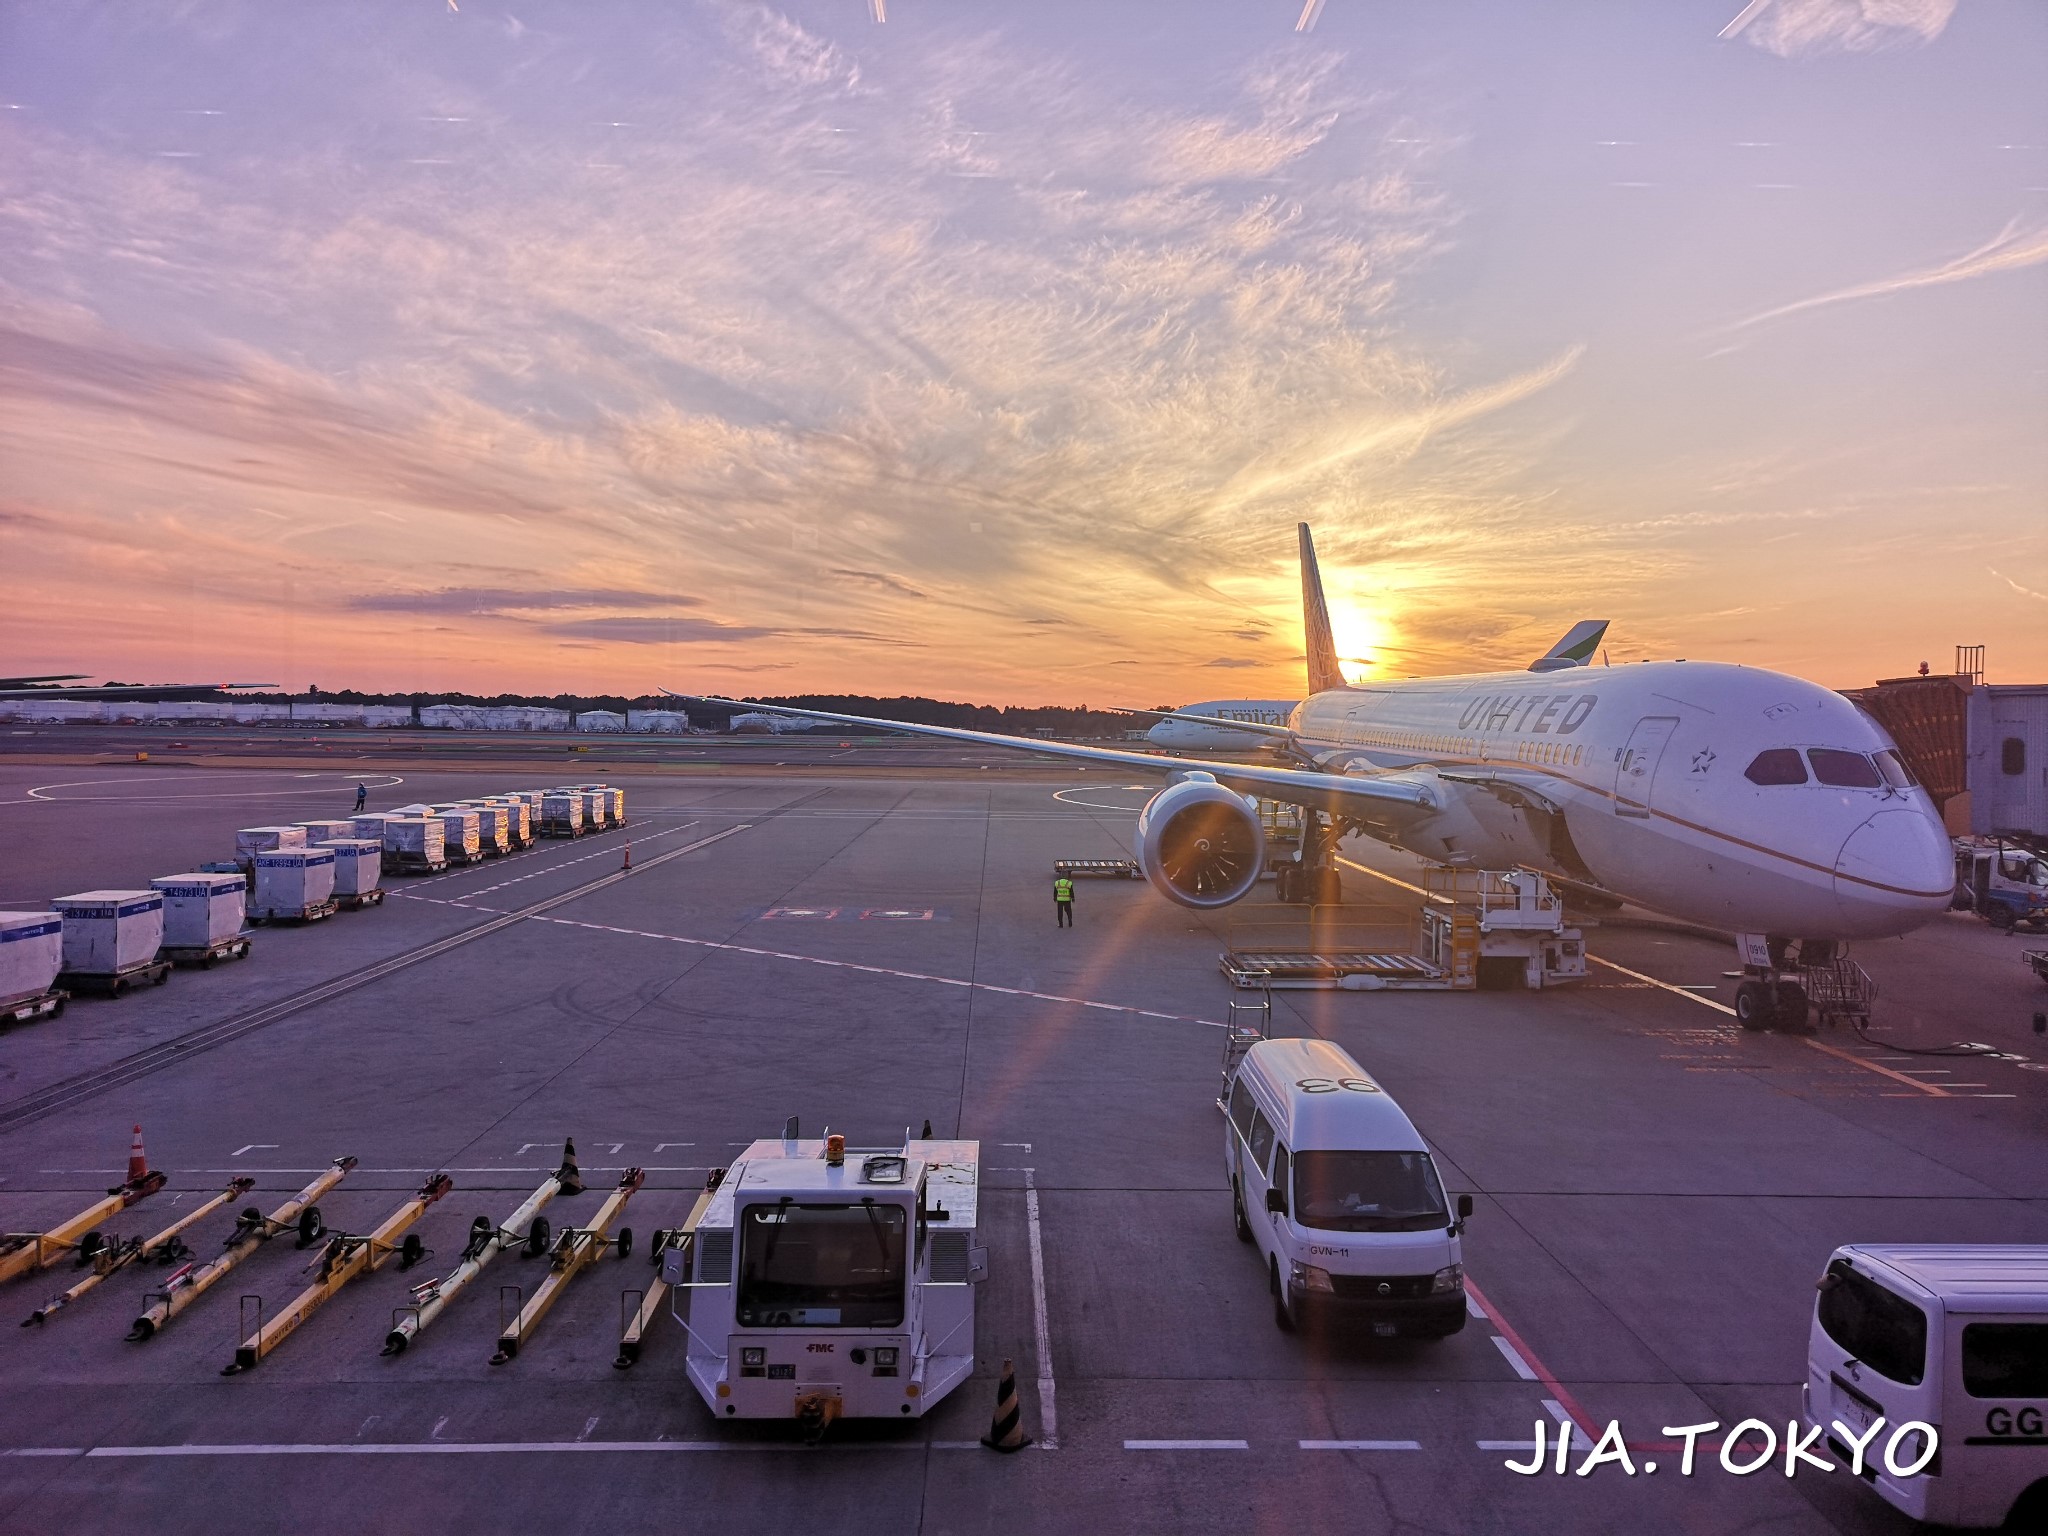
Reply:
x=1745, y=800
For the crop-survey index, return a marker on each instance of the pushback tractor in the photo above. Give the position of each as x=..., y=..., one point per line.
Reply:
x=830, y=1282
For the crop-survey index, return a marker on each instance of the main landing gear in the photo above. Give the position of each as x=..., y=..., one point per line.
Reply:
x=1312, y=880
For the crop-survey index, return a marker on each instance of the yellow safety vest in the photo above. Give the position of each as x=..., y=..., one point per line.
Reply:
x=1063, y=889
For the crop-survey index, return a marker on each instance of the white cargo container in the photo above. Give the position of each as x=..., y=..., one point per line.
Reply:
x=370, y=826
x=417, y=844
x=464, y=842
x=251, y=841
x=358, y=870
x=518, y=820
x=111, y=933
x=561, y=813
x=825, y=1286
x=31, y=955
x=616, y=808
x=203, y=913
x=293, y=884
x=318, y=832
x=493, y=829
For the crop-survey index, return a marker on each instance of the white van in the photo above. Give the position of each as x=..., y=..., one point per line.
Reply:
x=1955, y=1338
x=1338, y=1192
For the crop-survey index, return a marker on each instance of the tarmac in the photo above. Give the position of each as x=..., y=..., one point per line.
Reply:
x=865, y=946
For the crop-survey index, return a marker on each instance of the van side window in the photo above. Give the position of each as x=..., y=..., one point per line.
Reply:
x=1241, y=1108
x=1283, y=1174
x=1261, y=1139
x=2005, y=1359
x=1876, y=1326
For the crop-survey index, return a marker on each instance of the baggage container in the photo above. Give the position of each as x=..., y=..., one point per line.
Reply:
x=562, y=813
x=493, y=832
x=111, y=938
x=31, y=955
x=462, y=839
x=293, y=885
x=251, y=841
x=358, y=871
x=415, y=844
x=203, y=911
x=518, y=821
x=318, y=832
x=369, y=826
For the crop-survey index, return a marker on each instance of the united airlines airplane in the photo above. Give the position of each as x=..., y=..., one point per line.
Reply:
x=1730, y=796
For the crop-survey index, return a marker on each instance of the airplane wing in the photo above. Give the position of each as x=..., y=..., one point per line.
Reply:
x=1373, y=797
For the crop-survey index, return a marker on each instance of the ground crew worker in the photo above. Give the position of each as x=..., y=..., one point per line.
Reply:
x=1063, y=900
x=362, y=796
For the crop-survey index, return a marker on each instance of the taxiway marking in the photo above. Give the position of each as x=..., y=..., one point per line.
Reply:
x=1048, y=1416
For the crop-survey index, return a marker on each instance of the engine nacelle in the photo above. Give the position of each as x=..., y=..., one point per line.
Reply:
x=1201, y=844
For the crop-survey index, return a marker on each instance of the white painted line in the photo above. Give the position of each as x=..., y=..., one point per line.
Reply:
x=487, y=1448
x=1187, y=1445
x=1704, y=1002
x=1556, y=1410
x=1514, y=1358
x=1507, y=1445
x=1361, y=1445
x=46, y=1450
x=266, y=1146
x=1473, y=1309
x=1048, y=1413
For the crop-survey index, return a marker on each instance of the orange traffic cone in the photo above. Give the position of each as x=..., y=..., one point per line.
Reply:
x=1006, y=1430
x=138, y=1161
x=629, y=857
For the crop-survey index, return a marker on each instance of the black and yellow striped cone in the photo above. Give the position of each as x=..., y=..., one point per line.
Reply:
x=1006, y=1431
x=570, y=1176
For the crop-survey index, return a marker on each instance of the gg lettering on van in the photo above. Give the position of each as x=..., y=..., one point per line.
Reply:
x=1336, y=1085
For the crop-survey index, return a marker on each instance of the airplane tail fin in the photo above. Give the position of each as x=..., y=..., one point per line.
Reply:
x=1323, y=672
x=1576, y=649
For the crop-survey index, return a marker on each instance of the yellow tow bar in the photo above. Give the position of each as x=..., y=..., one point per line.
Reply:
x=575, y=1249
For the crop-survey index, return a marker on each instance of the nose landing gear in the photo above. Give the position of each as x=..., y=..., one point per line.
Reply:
x=1773, y=992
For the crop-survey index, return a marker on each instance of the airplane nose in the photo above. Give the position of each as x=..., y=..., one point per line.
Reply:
x=1900, y=859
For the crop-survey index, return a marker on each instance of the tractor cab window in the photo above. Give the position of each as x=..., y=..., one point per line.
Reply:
x=1843, y=770
x=1779, y=765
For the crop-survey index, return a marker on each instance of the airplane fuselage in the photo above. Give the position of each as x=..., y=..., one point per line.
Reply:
x=1634, y=778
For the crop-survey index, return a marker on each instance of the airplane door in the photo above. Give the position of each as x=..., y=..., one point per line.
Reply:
x=1638, y=766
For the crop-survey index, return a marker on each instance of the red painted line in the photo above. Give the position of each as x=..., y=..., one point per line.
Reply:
x=1579, y=1416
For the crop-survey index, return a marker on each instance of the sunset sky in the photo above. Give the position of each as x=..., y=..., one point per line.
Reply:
x=994, y=351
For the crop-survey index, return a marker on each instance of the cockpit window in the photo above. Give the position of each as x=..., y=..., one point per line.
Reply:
x=1896, y=770
x=1779, y=765
x=1844, y=770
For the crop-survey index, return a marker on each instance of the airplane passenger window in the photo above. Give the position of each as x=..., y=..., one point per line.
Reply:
x=1778, y=765
x=1896, y=770
x=2012, y=756
x=1844, y=770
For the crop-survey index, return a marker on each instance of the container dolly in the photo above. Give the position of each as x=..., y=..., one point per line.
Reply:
x=47, y=1006
x=205, y=956
x=113, y=983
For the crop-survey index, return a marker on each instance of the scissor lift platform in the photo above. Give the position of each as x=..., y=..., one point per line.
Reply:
x=1098, y=869
x=1326, y=968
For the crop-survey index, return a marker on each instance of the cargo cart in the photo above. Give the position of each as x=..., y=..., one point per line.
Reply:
x=22, y=1010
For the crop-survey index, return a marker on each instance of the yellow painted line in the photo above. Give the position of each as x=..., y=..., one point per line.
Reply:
x=1929, y=1089
x=1898, y=1077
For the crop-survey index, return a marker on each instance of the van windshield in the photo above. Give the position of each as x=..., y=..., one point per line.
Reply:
x=1368, y=1192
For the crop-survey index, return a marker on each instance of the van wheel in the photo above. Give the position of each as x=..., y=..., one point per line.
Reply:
x=1283, y=1314
x=1244, y=1227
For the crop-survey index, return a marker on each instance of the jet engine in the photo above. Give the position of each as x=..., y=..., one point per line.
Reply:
x=1199, y=843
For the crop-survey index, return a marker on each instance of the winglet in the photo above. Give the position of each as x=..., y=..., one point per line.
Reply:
x=1323, y=671
x=1576, y=649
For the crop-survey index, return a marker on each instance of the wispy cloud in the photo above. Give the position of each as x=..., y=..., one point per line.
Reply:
x=1794, y=28
x=500, y=600
x=2039, y=597
x=2011, y=249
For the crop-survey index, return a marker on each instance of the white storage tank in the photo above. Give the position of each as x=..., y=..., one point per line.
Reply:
x=251, y=841
x=293, y=883
x=31, y=954
x=108, y=932
x=415, y=842
x=201, y=910
x=463, y=841
x=318, y=832
x=358, y=864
